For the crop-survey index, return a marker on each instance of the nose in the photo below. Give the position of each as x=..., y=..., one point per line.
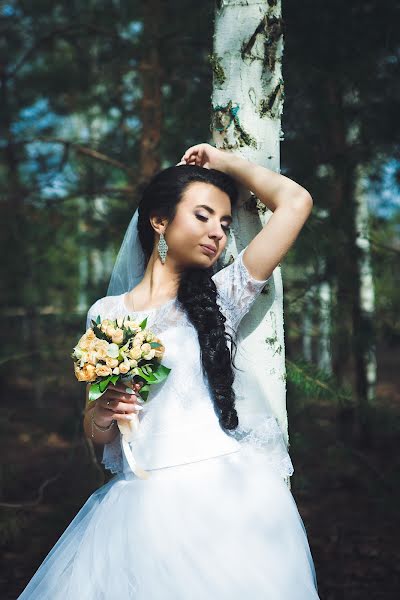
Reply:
x=216, y=233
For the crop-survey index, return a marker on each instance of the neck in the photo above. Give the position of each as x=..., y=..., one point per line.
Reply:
x=159, y=284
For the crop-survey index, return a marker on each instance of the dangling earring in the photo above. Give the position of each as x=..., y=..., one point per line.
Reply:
x=162, y=248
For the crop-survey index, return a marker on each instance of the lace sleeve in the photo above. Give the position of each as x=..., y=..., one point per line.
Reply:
x=92, y=313
x=112, y=455
x=237, y=289
x=262, y=431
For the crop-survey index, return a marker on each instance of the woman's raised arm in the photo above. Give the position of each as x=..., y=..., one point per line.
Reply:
x=290, y=203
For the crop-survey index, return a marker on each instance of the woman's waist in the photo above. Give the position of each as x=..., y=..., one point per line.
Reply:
x=157, y=449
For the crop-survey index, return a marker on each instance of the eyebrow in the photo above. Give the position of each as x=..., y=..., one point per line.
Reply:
x=212, y=211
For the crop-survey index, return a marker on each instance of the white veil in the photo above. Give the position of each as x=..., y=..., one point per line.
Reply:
x=130, y=265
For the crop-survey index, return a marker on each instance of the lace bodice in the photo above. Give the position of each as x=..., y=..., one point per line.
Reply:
x=178, y=423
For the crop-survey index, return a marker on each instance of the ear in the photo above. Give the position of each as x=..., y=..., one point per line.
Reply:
x=159, y=224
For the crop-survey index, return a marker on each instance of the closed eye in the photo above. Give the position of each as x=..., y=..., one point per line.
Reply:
x=226, y=228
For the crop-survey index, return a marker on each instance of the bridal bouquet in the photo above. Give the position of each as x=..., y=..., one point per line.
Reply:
x=120, y=350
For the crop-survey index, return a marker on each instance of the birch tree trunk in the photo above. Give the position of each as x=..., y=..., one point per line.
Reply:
x=324, y=353
x=247, y=103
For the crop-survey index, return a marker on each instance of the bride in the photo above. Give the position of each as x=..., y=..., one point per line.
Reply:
x=215, y=519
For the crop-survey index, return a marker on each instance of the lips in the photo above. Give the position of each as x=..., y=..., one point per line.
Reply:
x=211, y=248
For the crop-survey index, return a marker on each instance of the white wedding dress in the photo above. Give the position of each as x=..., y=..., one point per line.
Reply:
x=215, y=520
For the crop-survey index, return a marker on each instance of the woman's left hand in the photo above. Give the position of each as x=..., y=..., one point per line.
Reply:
x=207, y=156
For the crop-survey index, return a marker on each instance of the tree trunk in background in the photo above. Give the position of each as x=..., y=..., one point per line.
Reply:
x=307, y=322
x=363, y=315
x=341, y=268
x=344, y=275
x=14, y=211
x=247, y=103
x=151, y=77
x=324, y=355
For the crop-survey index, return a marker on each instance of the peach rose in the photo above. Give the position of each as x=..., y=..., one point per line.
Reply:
x=118, y=336
x=116, y=371
x=124, y=367
x=159, y=352
x=150, y=354
x=104, y=324
x=111, y=362
x=84, y=342
x=92, y=357
x=90, y=334
x=101, y=347
x=133, y=363
x=135, y=352
x=110, y=330
x=134, y=325
x=87, y=373
x=138, y=339
x=102, y=370
x=92, y=345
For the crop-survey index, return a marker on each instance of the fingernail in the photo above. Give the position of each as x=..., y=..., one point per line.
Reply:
x=129, y=391
x=130, y=417
x=140, y=400
x=139, y=407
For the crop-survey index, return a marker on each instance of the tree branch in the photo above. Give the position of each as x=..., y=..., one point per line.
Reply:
x=57, y=32
x=85, y=151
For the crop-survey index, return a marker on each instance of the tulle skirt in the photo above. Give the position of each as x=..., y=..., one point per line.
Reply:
x=224, y=528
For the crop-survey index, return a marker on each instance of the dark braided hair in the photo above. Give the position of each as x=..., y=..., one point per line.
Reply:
x=197, y=292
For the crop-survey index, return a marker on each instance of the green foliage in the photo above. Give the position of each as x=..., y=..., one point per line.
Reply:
x=71, y=107
x=313, y=384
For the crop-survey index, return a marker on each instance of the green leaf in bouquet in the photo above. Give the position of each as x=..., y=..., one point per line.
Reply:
x=155, y=344
x=143, y=324
x=150, y=378
x=104, y=383
x=145, y=388
x=124, y=347
x=99, y=333
x=161, y=372
x=95, y=392
x=128, y=334
x=144, y=392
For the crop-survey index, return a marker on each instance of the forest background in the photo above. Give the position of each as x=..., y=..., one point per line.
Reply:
x=97, y=96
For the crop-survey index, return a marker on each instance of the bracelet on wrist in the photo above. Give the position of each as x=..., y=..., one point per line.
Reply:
x=99, y=428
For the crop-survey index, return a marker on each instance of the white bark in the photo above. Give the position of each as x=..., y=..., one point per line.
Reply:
x=247, y=104
x=324, y=350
